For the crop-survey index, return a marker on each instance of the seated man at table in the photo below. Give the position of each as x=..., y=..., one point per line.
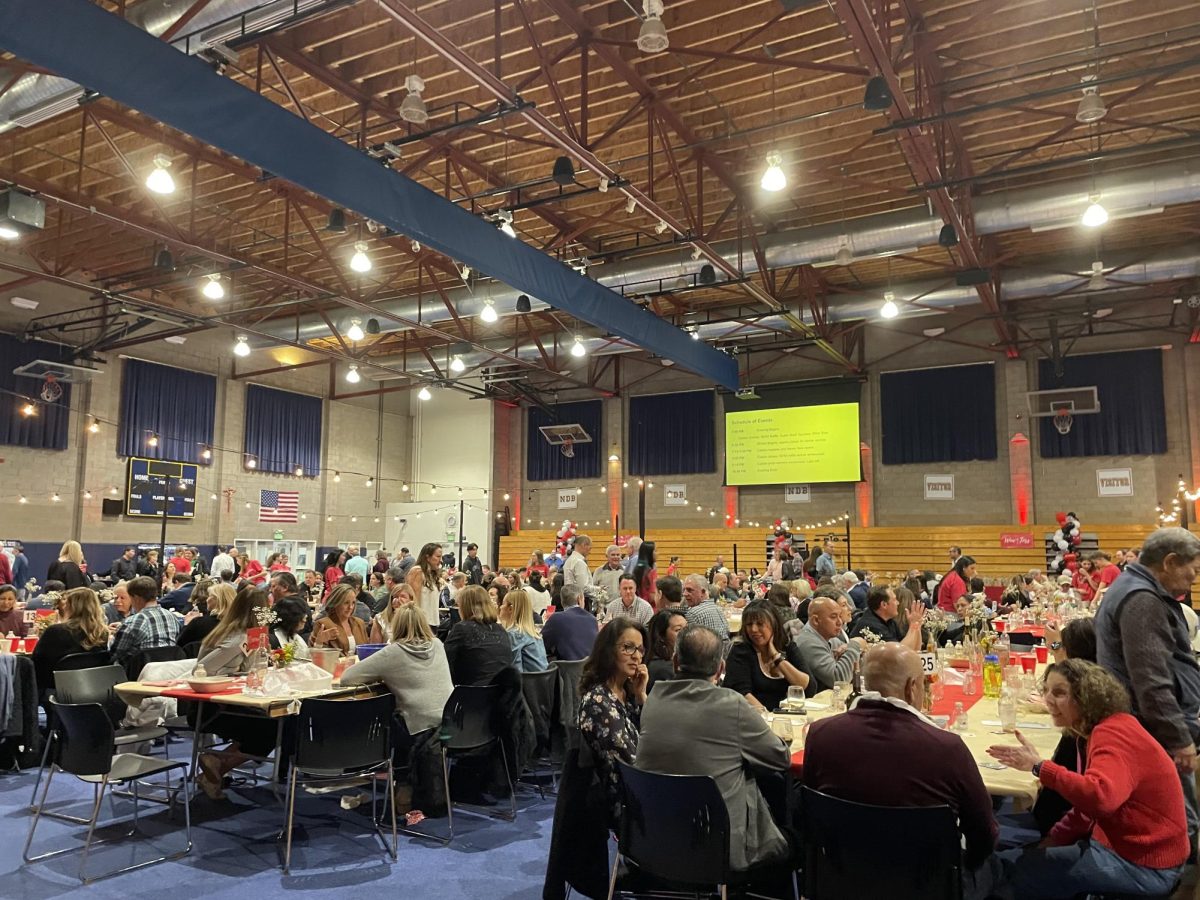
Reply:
x=570, y=634
x=179, y=598
x=885, y=752
x=829, y=659
x=149, y=625
x=691, y=726
x=883, y=608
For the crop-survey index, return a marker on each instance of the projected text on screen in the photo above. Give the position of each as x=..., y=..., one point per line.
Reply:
x=812, y=444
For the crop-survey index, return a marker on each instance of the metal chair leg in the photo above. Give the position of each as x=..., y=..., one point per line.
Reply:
x=449, y=802
x=512, y=789
x=87, y=844
x=291, y=812
x=391, y=786
x=37, y=815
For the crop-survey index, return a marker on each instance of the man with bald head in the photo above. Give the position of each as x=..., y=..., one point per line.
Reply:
x=830, y=659
x=885, y=752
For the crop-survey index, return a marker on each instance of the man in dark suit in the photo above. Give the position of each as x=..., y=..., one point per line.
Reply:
x=180, y=596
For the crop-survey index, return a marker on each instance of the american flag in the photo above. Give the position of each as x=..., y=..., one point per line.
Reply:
x=278, y=506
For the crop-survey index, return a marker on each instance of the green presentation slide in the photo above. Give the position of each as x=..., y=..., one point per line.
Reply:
x=798, y=444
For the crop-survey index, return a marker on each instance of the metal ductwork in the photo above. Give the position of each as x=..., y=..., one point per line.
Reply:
x=935, y=297
x=1136, y=192
x=35, y=98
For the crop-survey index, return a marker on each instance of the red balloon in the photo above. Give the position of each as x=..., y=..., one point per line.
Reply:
x=1076, y=538
x=1073, y=566
x=1061, y=518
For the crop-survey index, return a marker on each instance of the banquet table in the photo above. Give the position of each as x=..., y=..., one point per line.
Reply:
x=1032, y=721
x=235, y=702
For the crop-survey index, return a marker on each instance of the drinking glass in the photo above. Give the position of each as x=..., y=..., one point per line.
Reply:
x=795, y=695
x=841, y=691
x=782, y=726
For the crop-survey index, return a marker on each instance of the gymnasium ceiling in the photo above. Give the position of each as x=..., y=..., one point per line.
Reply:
x=986, y=94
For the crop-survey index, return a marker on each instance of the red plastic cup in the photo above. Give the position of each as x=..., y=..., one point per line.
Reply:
x=998, y=624
x=1042, y=652
x=30, y=643
x=1028, y=663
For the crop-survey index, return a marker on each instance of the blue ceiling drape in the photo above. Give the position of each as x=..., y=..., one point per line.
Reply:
x=176, y=404
x=545, y=462
x=283, y=430
x=672, y=434
x=47, y=428
x=1132, y=420
x=938, y=415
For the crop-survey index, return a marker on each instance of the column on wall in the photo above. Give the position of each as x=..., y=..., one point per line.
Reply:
x=1020, y=474
x=864, y=490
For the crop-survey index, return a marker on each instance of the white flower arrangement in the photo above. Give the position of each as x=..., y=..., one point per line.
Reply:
x=265, y=616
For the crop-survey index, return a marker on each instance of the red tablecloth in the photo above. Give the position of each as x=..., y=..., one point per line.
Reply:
x=186, y=694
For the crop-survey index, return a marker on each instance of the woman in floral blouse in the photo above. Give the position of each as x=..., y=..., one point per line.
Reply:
x=613, y=690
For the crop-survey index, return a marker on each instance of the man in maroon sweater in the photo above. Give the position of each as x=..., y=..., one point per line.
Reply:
x=885, y=752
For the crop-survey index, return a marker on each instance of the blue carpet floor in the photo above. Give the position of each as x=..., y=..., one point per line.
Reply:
x=236, y=854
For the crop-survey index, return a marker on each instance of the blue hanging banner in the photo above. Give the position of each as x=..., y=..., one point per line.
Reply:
x=79, y=40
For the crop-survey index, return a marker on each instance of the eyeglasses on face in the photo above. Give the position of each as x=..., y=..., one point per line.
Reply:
x=631, y=649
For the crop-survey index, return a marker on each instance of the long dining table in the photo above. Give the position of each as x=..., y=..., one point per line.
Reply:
x=983, y=731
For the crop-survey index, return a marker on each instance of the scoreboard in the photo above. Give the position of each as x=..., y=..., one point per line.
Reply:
x=145, y=484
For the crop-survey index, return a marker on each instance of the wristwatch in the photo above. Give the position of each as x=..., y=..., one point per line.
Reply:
x=1056, y=645
x=1037, y=769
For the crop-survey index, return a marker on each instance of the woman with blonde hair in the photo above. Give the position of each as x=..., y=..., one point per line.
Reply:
x=425, y=579
x=516, y=615
x=68, y=568
x=477, y=648
x=414, y=668
x=339, y=627
x=383, y=626
x=215, y=597
x=223, y=652
x=81, y=628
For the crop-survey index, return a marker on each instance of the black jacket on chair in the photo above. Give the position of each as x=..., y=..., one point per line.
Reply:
x=579, y=837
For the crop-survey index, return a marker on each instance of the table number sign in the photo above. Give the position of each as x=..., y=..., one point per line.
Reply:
x=928, y=662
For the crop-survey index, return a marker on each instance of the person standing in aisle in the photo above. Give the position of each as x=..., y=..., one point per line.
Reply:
x=356, y=564
x=472, y=565
x=575, y=569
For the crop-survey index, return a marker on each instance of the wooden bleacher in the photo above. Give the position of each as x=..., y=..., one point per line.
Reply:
x=884, y=550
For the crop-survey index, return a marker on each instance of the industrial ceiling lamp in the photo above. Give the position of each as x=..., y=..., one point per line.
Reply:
x=1091, y=107
x=488, y=313
x=457, y=365
x=213, y=289
x=412, y=107
x=504, y=221
x=889, y=310
x=355, y=331
x=352, y=375
x=164, y=261
x=564, y=171
x=773, y=180
x=160, y=180
x=337, y=221
x=424, y=394
x=1095, y=215
x=878, y=96
x=360, y=262
x=844, y=255
x=241, y=348
x=653, y=35
x=523, y=304
x=1097, y=281
x=947, y=237
x=577, y=348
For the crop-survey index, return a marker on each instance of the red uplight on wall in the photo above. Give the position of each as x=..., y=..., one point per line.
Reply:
x=863, y=494
x=731, y=506
x=1020, y=473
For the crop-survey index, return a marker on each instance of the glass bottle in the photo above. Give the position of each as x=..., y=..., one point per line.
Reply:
x=960, y=718
x=1003, y=649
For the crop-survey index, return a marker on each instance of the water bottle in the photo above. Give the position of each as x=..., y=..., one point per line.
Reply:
x=1008, y=709
x=960, y=718
x=1003, y=649
x=993, y=676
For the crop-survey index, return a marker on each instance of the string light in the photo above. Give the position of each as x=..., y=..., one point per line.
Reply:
x=94, y=427
x=28, y=410
x=152, y=441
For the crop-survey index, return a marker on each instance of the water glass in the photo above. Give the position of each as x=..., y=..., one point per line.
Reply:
x=795, y=695
x=782, y=726
x=840, y=692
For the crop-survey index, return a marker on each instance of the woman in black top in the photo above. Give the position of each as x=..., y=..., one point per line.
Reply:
x=663, y=628
x=762, y=662
x=477, y=648
x=67, y=567
x=82, y=629
x=214, y=599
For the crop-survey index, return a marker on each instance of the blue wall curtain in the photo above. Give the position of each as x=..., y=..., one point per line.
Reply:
x=177, y=404
x=672, y=434
x=545, y=462
x=1132, y=420
x=938, y=415
x=283, y=430
x=47, y=430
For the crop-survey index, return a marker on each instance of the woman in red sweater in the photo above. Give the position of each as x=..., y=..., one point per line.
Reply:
x=1126, y=833
x=957, y=583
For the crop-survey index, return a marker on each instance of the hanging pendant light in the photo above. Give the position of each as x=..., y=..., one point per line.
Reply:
x=844, y=255
x=337, y=221
x=878, y=96
x=1095, y=215
x=457, y=365
x=213, y=289
x=773, y=179
x=1091, y=108
x=352, y=375
x=160, y=180
x=360, y=262
x=577, y=348
x=355, y=332
x=241, y=347
x=488, y=313
x=652, y=38
x=412, y=107
x=424, y=394
x=889, y=310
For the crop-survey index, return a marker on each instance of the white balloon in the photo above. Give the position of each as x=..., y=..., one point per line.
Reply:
x=1062, y=545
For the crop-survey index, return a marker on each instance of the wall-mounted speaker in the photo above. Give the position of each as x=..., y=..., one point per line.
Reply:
x=112, y=506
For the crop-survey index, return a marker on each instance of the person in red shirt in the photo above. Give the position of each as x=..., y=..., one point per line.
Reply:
x=6, y=570
x=182, y=561
x=956, y=583
x=1085, y=581
x=1107, y=571
x=645, y=573
x=1126, y=832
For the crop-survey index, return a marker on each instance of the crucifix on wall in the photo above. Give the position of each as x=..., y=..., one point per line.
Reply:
x=229, y=492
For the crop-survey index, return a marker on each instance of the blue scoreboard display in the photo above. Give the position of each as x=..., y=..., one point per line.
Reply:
x=149, y=479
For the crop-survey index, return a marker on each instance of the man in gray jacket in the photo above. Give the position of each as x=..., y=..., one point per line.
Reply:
x=829, y=659
x=1142, y=638
x=690, y=726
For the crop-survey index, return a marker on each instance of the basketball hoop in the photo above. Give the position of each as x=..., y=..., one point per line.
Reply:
x=1063, y=420
x=51, y=389
x=567, y=448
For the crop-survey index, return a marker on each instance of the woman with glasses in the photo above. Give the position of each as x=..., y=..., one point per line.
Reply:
x=612, y=692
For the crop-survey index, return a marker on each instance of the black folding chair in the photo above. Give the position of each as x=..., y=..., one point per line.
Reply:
x=191, y=650
x=341, y=739
x=91, y=685
x=467, y=728
x=566, y=731
x=139, y=660
x=86, y=751
x=541, y=691
x=925, y=865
